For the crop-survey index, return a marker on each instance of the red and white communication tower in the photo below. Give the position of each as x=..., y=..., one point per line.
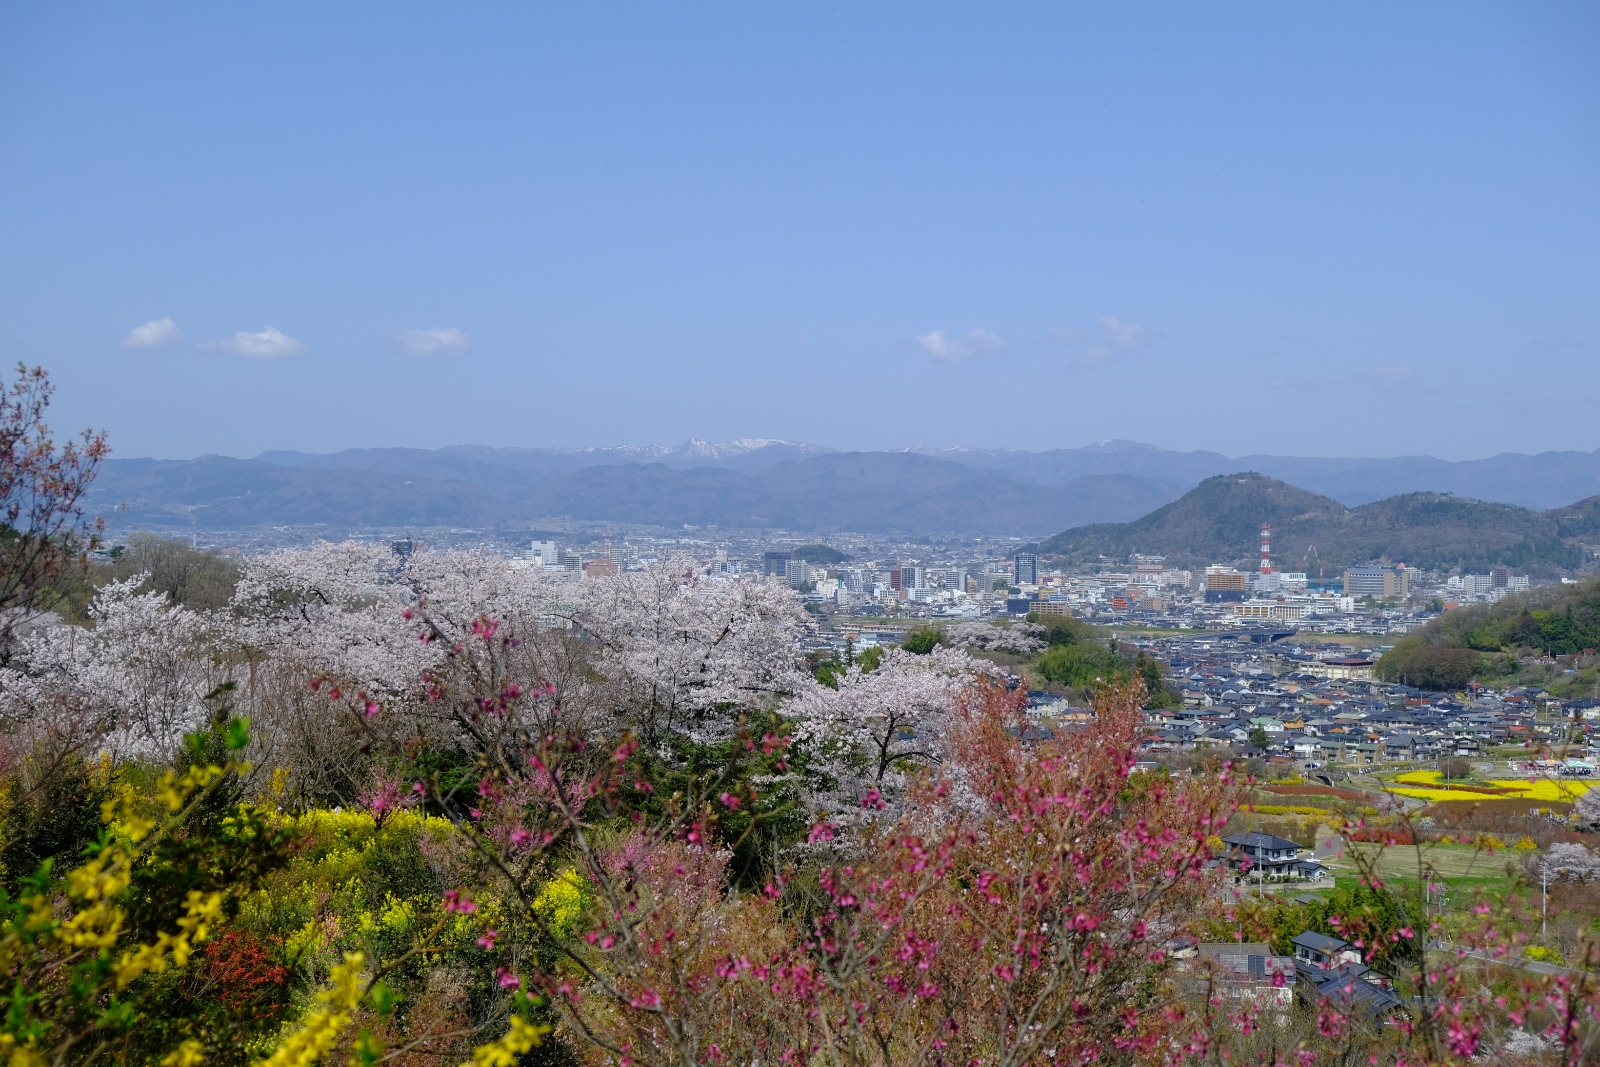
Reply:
x=1266, y=548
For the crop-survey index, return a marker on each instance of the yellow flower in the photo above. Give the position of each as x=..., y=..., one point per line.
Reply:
x=504, y=1052
x=323, y=1027
x=397, y=914
x=188, y=1054
x=202, y=910
x=1419, y=777
x=307, y=938
x=1545, y=789
x=15, y=1055
x=562, y=901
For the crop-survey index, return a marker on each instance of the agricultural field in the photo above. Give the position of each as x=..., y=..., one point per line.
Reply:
x=1428, y=785
x=1465, y=869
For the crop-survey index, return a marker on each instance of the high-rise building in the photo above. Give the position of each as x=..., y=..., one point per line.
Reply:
x=1224, y=584
x=1380, y=583
x=1501, y=576
x=1220, y=577
x=543, y=553
x=1027, y=572
x=775, y=564
x=953, y=579
x=798, y=573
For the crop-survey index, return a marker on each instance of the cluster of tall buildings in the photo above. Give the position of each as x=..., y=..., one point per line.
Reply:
x=1143, y=588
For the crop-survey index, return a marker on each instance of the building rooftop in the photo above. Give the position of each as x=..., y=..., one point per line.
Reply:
x=1253, y=839
x=1319, y=942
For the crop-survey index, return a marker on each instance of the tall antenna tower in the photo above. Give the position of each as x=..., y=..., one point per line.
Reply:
x=1266, y=548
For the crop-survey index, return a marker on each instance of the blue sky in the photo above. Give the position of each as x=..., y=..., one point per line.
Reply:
x=1365, y=229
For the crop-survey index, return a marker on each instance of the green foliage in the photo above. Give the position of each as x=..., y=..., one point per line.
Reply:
x=1142, y=784
x=1083, y=665
x=826, y=667
x=1260, y=738
x=1153, y=673
x=125, y=972
x=192, y=577
x=1063, y=630
x=1414, y=663
x=819, y=554
x=1353, y=910
x=1450, y=650
x=754, y=831
x=53, y=814
x=828, y=672
x=871, y=659
x=922, y=640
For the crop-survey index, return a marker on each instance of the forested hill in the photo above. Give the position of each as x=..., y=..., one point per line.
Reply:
x=1219, y=521
x=1501, y=641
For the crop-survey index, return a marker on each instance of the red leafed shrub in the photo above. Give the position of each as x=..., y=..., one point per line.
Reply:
x=1397, y=835
x=247, y=975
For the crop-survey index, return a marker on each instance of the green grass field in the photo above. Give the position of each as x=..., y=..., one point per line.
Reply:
x=1461, y=867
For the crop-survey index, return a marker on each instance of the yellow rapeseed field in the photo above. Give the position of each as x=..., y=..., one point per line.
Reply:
x=1425, y=785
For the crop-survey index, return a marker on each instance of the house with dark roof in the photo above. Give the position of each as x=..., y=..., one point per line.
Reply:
x=1328, y=969
x=1353, y=988
x=1320, y=950
x=1265, y=855
x=1245, y=970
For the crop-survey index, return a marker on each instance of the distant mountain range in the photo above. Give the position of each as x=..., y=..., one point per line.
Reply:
x=1219, y=521
x=869, y=492
x=771, y=484
x=1546, y=480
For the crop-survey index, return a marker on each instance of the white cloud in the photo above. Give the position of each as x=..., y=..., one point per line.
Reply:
x=267, y=344
x=1116, y=338
x=438, y=343
x=153, y=335
x=1397, y=373
x=1111, y=338
x=948, y=348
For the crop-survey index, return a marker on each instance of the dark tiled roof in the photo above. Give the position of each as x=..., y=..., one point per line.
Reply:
x=1319, y=942
x=1346, y=986
x=1260, y=840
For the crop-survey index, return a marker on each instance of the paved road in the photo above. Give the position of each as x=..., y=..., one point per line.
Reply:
x=1532, y=966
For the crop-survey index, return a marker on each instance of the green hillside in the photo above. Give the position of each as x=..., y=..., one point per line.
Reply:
x=1219, y=521
x=1503, y=641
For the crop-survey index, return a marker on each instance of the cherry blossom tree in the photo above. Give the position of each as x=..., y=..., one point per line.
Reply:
x=866, y=740
x=137, y=680
x=332, y=609
x=690, y=656
x=1019, y=639
x=1569, y=860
